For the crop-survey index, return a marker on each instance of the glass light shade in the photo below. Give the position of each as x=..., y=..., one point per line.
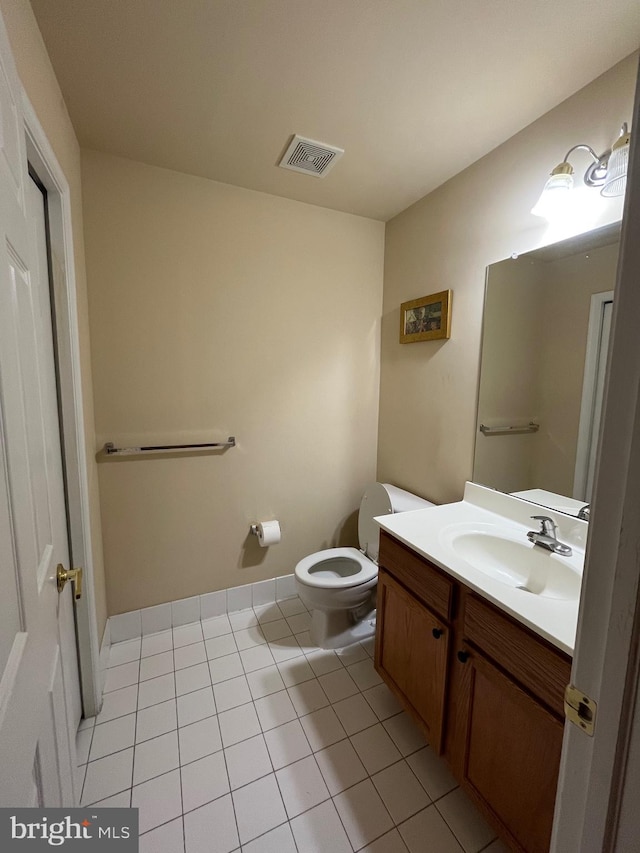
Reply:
x=554, y=195
x=615, y=182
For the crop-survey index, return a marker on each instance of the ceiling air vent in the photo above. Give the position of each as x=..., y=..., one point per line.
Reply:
x=310, y=157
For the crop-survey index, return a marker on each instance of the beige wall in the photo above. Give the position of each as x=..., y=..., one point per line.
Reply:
x=446, y=240
x=41, y=86
x=216, y=311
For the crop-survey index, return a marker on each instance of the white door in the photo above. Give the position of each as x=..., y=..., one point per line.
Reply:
x=36, y=209
x=597, y=805
x=37, y=755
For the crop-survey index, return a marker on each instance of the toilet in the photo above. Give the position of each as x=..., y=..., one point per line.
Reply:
x=339, y=584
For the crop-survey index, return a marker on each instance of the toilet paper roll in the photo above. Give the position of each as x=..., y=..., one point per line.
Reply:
x=268, y=533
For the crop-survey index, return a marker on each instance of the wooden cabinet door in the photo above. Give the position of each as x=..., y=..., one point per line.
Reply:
x=411, y=655
x=511, y=754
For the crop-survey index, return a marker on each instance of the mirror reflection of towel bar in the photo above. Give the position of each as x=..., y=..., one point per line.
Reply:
x=110, y=450
x=509, y=430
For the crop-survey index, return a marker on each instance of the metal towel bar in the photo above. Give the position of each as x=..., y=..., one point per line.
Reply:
x=509, y=430
x=111, y=450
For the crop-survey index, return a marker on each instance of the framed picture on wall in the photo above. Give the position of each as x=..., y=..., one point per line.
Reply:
x=426, y=319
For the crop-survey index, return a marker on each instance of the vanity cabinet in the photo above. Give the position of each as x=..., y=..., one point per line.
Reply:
x=412, y=655
x=510, y=753
x=487, y=692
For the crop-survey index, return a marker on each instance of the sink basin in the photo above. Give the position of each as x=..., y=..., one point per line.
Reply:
x=521, y=565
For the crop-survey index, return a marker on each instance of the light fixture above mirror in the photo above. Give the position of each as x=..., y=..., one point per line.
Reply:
x=608, y=171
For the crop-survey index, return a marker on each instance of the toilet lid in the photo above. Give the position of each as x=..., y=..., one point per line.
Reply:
x=375, y=501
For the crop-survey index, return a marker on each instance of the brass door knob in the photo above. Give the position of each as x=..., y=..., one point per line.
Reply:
x=75, y=575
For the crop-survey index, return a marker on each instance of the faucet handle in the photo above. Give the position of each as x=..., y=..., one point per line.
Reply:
x=548, y=526
x=585, y=512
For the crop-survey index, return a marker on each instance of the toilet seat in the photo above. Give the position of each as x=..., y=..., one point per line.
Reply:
x=336, y=568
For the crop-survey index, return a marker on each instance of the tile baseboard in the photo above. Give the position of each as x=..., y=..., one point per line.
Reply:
x=161, y=617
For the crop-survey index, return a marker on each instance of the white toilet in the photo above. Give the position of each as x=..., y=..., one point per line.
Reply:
x=339, y=584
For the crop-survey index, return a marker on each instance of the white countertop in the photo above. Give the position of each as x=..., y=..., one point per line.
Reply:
x=555, y=619
x=551, y=500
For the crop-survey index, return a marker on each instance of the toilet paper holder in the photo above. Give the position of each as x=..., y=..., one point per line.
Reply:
x=267, y=532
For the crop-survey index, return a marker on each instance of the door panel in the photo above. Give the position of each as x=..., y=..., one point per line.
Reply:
x=29, y=397
x=512, y=755
x=412, y=653
x=34, y=731
x=36, y=203
x=9, y=600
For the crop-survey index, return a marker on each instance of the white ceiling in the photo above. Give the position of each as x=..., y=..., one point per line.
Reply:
x=413, y=90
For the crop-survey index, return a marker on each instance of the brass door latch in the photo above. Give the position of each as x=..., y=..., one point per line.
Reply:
x=75, y=575
x=580, y=709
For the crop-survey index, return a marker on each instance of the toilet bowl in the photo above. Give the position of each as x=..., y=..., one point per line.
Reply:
x=339, y=584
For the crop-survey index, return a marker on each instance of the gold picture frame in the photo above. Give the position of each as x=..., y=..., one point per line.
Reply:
x=426, y=319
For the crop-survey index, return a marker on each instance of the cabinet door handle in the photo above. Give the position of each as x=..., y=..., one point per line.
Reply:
x=463, y=657
x=437, y=633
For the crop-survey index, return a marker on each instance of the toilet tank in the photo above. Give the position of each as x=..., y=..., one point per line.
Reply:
x=382, y=499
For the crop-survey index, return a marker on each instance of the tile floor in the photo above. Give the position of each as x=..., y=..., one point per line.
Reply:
x=237, y=734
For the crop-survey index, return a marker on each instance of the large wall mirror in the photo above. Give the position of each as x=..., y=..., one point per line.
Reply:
x=546, y=326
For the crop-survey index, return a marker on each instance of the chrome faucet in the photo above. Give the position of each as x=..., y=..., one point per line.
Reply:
x=585, y=512
x=546, y=536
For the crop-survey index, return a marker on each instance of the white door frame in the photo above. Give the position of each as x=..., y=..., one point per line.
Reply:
x=44, y=161
x=585, y=448
x=591, y=813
